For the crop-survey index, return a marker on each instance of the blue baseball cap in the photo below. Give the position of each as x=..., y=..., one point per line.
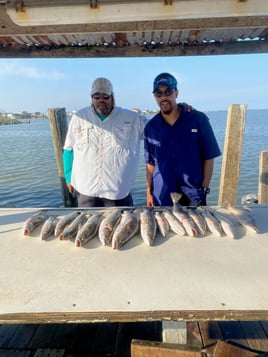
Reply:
x=165, y=79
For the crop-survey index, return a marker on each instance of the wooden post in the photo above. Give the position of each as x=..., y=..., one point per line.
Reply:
x=59, y=126
x=232, y=153
x=263, y=178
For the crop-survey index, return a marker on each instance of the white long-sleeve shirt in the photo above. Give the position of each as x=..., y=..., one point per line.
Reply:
x=106, y=153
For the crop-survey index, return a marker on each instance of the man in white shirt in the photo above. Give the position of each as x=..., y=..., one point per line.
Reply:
x=101, y=150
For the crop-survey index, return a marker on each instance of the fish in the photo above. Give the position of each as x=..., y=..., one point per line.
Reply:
x=126, y=229
x=199, y=220
x=71, y=230
x=64, y=221
x=148, y=226
x=162, y=223
x=48, y=227
x=213, y=223
x=108, y=225
x=182, y=216
x=88, y=230
x=33, y=222
x=174, y=223
x=230, y=226
x=244, y=216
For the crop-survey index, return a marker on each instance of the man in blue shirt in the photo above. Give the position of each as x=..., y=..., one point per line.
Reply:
x=180, y=148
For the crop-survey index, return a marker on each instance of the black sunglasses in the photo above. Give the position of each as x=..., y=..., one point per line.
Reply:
x=98, y=96
x=166, y=93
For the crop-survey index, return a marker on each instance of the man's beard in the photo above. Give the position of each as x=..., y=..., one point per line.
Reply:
x=166, y=111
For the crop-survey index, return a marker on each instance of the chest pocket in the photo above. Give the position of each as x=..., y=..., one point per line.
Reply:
x=121, y=135
x=84, y=137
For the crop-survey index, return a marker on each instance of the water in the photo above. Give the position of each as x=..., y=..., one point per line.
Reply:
x=29, y=175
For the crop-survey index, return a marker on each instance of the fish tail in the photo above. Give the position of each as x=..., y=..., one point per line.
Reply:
x=175, y=196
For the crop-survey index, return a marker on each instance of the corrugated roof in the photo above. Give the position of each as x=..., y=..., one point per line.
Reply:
x=156, y=37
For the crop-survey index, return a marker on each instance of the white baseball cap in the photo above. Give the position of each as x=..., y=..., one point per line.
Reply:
x=102, y=85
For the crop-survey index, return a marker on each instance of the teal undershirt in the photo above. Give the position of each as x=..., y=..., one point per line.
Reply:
x=68, y=157
x=102, y=117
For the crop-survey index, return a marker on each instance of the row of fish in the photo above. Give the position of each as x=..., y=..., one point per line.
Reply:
x=118, y=226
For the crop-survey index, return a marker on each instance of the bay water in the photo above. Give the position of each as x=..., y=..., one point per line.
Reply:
x=29, y=175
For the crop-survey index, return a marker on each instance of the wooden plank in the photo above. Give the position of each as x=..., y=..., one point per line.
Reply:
x=43, y=330
x=233, y=143
x=193, y=334
x=141, y=348
x=15, y=353
x=7, y=332
x=210, y=332
x=22, y=336
x=137, y=330
x=255, y=335
x=224, y=349
x=263, y=178
x=264, y=325
x=232, y=331
x=49, y=352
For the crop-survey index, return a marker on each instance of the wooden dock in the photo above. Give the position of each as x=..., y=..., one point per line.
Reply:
x=114, y=339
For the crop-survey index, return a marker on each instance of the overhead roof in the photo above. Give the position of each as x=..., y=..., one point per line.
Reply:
x=118, y=28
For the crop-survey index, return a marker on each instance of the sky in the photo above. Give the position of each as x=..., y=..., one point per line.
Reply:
x=205, y=82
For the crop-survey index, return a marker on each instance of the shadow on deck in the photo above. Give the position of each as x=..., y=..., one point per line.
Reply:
x=114, y=339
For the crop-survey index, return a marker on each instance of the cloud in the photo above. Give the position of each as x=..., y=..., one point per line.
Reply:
x=14, y=68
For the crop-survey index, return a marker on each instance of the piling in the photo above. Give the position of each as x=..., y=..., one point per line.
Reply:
x=59, y=125
x=263, y=178
x=235, y=127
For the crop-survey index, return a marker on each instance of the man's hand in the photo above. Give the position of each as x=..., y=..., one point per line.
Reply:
x=70, y=188
x=149, y=198
x=187, y=107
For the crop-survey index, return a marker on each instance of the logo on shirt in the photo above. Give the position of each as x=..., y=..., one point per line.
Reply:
x=194, y=130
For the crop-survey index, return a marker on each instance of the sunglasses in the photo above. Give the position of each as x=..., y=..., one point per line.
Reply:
x=166, y=93
x=98, y=96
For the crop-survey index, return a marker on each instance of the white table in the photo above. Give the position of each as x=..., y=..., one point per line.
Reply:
x=179, y=278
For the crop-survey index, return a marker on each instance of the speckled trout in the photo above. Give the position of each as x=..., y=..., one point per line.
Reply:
x=127, y=228
x=71, y=230
x=88, y=230
x=148, y=226
x=198, y=219
x=174, y=223
x=64, y=221
x=162, y=223
x=213, y=223
x=48, y=227
x=108, y=226
x=33, y=222
x=229, y=223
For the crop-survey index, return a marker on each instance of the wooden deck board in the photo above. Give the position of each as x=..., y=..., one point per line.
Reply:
x=255, y=335
x=114, y=339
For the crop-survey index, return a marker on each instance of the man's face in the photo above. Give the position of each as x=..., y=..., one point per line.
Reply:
x=102, y=103
x=166, y=99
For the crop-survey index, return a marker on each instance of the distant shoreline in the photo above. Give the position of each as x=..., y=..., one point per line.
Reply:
x=10, y=121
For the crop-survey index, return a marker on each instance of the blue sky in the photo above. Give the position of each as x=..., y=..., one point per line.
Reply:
x=206, y=82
